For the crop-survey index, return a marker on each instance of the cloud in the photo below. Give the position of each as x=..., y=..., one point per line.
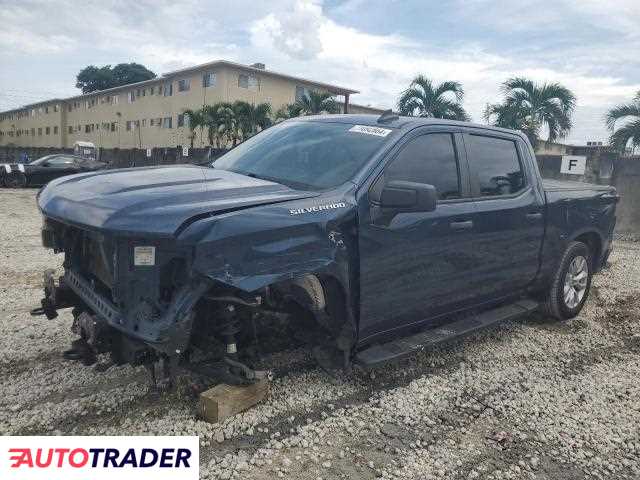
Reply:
x=296, y=33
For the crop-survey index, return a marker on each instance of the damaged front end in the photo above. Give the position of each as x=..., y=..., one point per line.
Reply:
x=132, y=299
x=157, y=302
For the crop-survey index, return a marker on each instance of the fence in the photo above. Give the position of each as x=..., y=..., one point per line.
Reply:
x=121, y=157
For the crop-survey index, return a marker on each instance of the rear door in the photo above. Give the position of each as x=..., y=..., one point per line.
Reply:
x=415, y=266
x=509, y=213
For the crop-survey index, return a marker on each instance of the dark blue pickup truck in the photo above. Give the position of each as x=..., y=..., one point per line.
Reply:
x=366, y=237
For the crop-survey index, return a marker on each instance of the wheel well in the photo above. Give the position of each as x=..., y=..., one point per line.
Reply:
x=592, y=240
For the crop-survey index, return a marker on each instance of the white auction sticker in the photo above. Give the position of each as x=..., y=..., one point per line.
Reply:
x=144, y=256
x=21, y=167
x=380, y=132
x=99, y=458
x=7, y=168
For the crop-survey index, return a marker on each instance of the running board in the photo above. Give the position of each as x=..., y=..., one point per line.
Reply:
x=397, y=349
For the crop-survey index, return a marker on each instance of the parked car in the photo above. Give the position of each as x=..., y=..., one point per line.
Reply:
x=43, y=170
x=369, y=237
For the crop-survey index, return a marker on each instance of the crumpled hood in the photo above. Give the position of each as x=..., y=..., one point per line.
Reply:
x=155, y=200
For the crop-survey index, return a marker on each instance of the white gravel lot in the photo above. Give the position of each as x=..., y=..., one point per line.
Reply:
x=529, y=399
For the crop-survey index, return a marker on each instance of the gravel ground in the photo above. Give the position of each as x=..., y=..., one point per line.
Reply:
x=529, y=399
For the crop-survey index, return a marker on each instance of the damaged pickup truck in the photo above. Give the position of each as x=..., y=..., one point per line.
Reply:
x=367, y=237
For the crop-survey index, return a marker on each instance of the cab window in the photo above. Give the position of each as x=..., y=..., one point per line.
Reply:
x=496, y=165
x=429, y=159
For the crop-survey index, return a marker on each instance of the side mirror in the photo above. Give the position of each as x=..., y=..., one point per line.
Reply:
x=409, y=196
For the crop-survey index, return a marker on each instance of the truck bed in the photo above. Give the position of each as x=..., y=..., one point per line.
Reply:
x=551, y=185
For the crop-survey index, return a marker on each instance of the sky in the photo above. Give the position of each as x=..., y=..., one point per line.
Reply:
x=376, y=47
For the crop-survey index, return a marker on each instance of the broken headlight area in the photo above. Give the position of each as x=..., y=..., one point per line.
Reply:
x=140, y=301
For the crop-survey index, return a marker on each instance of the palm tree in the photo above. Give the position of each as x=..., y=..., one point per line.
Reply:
x=261, y=117
x=219, y=119
x=290, y=110
x=228, y=125
x=530, y=107
x=250, y=118
x=424, y=99
x=313, y=103
x=629, y=133
x=196, y=120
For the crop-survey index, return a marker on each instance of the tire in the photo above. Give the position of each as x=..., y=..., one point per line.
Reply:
x=570, y=287
x=16, y=180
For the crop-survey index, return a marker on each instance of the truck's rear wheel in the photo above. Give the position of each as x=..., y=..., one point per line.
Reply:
x=571, y=283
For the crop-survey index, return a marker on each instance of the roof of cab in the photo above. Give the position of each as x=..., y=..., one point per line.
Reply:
x=402, y=122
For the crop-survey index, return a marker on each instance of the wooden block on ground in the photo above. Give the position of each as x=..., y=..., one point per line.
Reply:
x=223, y=401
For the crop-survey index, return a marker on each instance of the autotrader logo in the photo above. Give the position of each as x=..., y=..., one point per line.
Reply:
x=70, y=458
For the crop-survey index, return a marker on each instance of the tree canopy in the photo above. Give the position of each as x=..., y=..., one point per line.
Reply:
x=624, y=123
x=93, y=78
x=424, y=99
x=530, y=107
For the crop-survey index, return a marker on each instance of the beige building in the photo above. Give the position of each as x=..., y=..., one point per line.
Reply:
x=150, y=113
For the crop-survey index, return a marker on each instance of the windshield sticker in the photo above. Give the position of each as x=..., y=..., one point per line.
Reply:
x=377, y=131
x=21, y=167
x=317, y=208
x=7, y=168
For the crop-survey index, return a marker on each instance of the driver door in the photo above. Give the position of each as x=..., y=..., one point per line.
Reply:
x=417, y=266
x=55, y=168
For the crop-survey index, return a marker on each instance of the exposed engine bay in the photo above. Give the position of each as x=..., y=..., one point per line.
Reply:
x=140, y=302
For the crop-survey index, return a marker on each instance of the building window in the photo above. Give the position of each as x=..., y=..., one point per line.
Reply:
x=33, y=132
x=55, y=130
x=47, y=130
x=209, y=80
x=181, y=120
x=40, y=131
x=69, y=129
x=166, y=122
x=144, y=122
x=250, y=82
x=151, y=90
x=152, y=122
x=46, y=109
x=55, y=108
x=87, y=128
x=113, y=126
x=168, y=89
x=301, y=92
x=132, y=96
x=128, y=125
x=184, y=85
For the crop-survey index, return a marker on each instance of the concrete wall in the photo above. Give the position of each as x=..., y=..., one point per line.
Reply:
x=627, y=182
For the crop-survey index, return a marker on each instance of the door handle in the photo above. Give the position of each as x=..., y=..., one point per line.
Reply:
x=534, y=216
x=466, y=225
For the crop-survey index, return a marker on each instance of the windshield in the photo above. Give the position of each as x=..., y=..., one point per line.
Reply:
x=306, y=155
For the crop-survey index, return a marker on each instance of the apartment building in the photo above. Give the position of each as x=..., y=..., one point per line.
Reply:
x=150, y=113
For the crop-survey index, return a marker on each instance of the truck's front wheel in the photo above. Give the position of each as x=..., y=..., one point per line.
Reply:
x=571, y=283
